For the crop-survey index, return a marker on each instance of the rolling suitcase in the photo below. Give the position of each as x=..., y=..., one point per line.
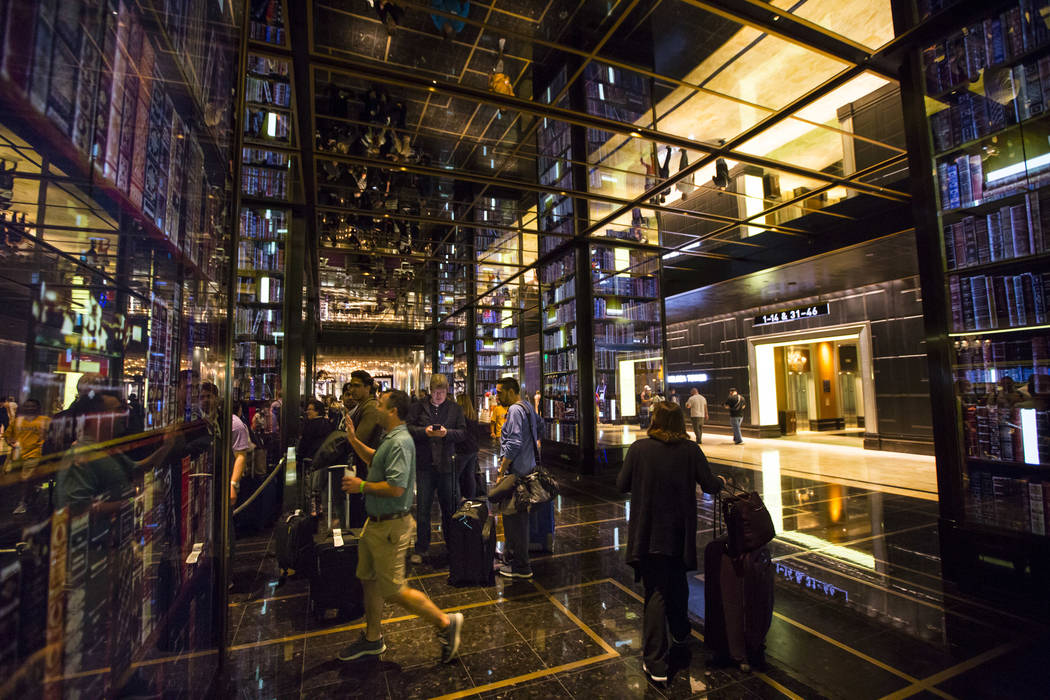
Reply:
x=294, y=540
x=541, y=527
x=333, y=576
x=471, y=542
x=738, y=603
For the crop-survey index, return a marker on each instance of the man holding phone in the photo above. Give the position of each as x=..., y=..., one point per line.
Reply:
x=436, y=426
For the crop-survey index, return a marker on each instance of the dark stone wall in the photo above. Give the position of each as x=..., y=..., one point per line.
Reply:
x=717, y=345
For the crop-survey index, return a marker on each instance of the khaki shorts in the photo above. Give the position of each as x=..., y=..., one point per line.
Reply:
x=381, y=554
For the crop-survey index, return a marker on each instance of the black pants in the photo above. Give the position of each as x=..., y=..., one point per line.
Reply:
x=466, y=466
x=666, y=605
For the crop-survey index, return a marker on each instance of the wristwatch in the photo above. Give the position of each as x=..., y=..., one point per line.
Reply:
x=236, y=485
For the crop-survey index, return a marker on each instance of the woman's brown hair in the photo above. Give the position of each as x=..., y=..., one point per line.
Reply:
x=668, y=422
x=468, y=407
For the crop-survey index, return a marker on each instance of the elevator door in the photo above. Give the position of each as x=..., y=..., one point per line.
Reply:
x=798, y=384
x=849, y=396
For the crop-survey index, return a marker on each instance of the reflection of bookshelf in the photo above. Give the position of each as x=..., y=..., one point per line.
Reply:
x=560, y=392
x=496, y=348
x=986, y=90
x=266, y=22
x=627, y=319
x=258, y=323
x=268, y=95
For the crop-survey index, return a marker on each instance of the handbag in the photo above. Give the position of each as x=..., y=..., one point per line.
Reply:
x=748, y=522
x=503, y=489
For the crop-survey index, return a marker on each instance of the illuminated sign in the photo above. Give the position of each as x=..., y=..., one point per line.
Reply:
x=806, y=581
x=799, y=312
x=690, y=378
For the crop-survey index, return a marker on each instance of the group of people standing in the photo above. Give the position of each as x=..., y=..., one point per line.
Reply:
x=410, y=451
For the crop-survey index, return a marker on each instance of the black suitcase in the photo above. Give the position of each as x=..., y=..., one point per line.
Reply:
x=294, y=539
x=541, y=527
x=471, y=543
x=333, y=581
x=333, y=576
x=738, y=603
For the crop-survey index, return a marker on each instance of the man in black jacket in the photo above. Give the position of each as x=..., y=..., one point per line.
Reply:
x=436, y=426
x=736, y=405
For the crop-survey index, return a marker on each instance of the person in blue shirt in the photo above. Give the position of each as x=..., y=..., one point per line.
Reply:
x=447, y=26
x=388, y=492
x=519, y=449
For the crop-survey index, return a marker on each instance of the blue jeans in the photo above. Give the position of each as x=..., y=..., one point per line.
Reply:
x=427, y=481
x=735, y=421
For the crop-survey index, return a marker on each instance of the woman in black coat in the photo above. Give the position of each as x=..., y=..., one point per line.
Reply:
x=662, y=472
x=467, y=451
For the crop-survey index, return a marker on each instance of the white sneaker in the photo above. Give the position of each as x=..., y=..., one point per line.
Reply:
x=657, y=679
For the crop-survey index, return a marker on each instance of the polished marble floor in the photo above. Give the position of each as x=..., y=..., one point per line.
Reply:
x=840, y=460
x=861, y=612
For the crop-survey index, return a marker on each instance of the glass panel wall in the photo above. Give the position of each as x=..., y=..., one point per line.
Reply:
x=115, y=249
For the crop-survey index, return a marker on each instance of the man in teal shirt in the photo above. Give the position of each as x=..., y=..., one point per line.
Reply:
x=388, y=533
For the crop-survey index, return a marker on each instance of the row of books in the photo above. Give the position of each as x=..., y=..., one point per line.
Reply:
x=267, y=256
x=999, y=39
x=1011, y=96
x=983, y=302
x=258, y=323
x=985, y=363
x=265, y=156
x=271, y=66
x=603, y=258
x=615, y=310
x=509, y=359
x=1011, y=503
x=490, y=375
x=268, y=224
x=566, y=290
x=264, y=182
x=961, y=181
x=262, y=290
x=268, y=91
x=560, y=362
x=627, y=286
x=562, y=338
x=559, y=315
x=263, y=124
x=507, y=333
x=623, y=333
x=993, y=431
x=257, y=31
x=251, y=354
x=1013, y=231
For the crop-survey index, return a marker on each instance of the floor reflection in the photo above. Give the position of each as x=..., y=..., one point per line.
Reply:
x=861, y=611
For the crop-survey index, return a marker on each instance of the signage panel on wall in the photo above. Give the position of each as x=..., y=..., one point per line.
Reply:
x=794, y=314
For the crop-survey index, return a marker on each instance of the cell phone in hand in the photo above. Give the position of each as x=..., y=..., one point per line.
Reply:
x=435, y=427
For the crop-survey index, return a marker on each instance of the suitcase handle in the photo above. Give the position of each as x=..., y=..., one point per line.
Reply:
x=346, y=500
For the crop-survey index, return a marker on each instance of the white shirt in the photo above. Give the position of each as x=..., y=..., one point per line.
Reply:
x=697, y=406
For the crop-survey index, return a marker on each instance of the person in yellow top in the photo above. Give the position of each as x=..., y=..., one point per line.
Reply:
x=497, y=417
x=26, y=437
